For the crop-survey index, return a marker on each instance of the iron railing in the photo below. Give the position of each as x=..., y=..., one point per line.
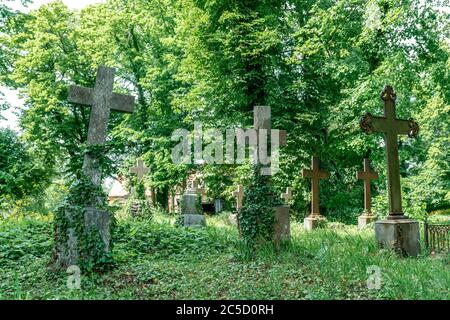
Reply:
x=437, y=237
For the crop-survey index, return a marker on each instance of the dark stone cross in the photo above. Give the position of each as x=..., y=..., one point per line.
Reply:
x=102, y=100
x=367, y=175
x=315, y=175
x=391, y=127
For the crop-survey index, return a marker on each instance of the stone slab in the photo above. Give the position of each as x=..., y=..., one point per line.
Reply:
x=194, y=220
x=402, y=236
x=190, y=204
x=282, y=227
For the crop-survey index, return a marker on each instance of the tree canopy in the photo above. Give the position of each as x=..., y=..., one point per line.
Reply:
x=320, y=65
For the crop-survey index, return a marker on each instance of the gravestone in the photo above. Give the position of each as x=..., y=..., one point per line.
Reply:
x=139, y=205
x=315, y=174
x=239, y=195
x=191, y=207
x=367, y=175
x=397, y=232
x=102, y=100
x=282, y=218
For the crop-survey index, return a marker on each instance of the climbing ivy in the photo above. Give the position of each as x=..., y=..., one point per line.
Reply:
x=138, y=205
x=70, y=220
x=257, y=216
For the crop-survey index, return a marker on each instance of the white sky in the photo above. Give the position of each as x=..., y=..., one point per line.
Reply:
x=11, y=96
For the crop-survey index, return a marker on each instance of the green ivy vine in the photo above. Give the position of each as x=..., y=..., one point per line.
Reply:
x=70, y=217
x=257, y=217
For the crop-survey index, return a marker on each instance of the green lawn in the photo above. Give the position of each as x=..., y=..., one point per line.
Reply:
x=158, y=261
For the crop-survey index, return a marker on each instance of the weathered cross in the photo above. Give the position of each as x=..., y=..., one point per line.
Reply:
x=101, y=99
x=288, y=195
x=367, y=175
x=262, y=118
x=391, y=127
x=315, y=174
x=140, y=170
x=239, y=194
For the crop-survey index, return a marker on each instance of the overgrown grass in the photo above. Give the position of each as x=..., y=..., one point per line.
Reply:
x=159, y=261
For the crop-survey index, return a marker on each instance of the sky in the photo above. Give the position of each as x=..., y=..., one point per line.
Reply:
x=11, y=96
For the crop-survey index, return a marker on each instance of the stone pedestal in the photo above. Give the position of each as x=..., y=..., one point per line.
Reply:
x=400, y=235
x=194, y=220
x=365, y=220
x=282, y=227
x=67, y=251
x=191, y=209
x=314, y=222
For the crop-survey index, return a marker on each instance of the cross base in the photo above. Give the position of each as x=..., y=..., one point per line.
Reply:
x=397, y=216
x=365, y=219
x=314, y=221
x=403, y=236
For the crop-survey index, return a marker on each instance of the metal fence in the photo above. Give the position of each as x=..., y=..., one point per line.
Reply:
x=437, y=237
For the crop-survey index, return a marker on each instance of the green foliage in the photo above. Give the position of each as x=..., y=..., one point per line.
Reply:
x=157, y=261
x=22, y=171
x=320, y=65
x=137, y=205
x=257, y=216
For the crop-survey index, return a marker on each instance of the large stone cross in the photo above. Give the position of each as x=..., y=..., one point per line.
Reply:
x=140, y=170
x=101, y=99
x=315, y=175
x=239, y=195
x=288, y=195
x=391, y=127
x=262, y=119
x=367, y=175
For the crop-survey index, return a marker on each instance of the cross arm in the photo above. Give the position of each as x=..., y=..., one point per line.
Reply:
x=409, y=127
x=362, y=175
x=369, y=123
x=81, y=95
x=324, y=175
x=122, y=103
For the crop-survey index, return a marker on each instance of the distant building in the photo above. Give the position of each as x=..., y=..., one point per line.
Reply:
x=119, y=193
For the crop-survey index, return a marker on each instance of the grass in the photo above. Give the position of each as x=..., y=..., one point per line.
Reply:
x=158, y=261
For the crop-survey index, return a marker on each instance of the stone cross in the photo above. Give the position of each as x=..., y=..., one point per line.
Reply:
x=262, y=118
x=367, y=175
x=195, y=185
x=101, y=99
x=140, y=170
x=288, y=195
x=239, y=194
x=391, y=127
x=315, y=175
